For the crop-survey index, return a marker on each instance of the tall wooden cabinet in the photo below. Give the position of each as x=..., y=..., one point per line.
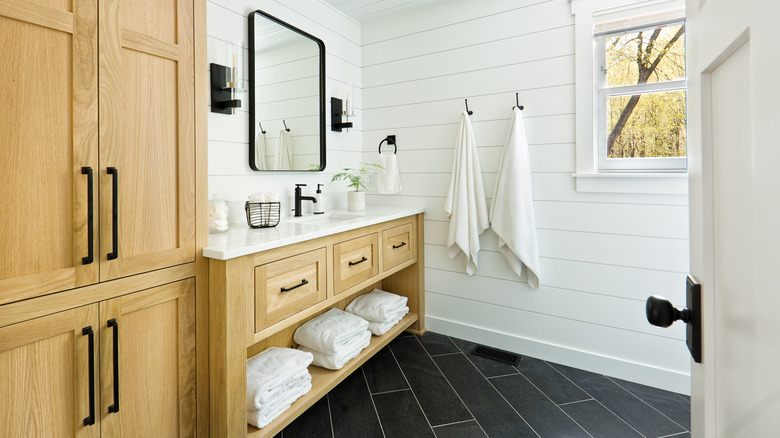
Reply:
x=102, y=182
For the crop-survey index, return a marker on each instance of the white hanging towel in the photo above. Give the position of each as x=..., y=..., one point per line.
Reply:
x=512, y=211
x=260, y=151
x=388, y=179
x=283, y=158
x=466, y=199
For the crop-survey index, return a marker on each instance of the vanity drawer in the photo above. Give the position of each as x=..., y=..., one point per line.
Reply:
x=287, y=286
x=355, y=261
x=397, y=245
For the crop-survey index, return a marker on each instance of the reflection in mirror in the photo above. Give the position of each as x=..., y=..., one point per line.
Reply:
x=286, y=96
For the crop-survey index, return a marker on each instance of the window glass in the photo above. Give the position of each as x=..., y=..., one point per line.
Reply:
x=646, y=56
x=651, y=125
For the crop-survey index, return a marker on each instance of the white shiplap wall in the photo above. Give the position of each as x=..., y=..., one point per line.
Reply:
x=229, y=174
x=602, y=254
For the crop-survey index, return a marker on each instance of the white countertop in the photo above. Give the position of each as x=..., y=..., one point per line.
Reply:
x=240, y=240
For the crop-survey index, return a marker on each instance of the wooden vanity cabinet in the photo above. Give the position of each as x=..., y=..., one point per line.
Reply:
x=45, y=364
x=257, y=301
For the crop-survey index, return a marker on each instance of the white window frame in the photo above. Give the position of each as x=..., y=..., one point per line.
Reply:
x=589, y=176
x=602, y=93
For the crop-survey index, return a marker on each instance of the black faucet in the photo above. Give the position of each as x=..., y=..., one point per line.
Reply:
x=299, y=197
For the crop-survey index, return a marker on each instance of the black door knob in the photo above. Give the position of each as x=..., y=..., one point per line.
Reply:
x=661, y=312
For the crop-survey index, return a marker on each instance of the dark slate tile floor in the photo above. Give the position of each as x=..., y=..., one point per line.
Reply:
x=431, y=386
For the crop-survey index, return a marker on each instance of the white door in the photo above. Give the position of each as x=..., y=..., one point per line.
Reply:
x=734, y=162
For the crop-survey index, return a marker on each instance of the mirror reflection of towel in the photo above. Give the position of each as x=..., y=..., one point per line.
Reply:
x=260, y=151
x=388, y=179
x=283, y=158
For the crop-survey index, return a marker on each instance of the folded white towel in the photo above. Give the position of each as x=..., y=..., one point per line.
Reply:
x=388, y=179
x=283, y=158
x=465, y=203
x=347, y=352
x=377, y=305
x=272, y=368
x=512, y=212
x=258, y=197
x=273, y=395
x=329, y=332
x=263, y=417
x=379, y=328
x=260, y=151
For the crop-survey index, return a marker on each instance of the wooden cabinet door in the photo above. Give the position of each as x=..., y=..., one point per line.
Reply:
x=48, y=132
x=44, y=376
x=147, y=134
x=155, y=363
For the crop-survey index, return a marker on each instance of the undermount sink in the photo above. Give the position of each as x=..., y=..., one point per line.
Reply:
x=324, y=219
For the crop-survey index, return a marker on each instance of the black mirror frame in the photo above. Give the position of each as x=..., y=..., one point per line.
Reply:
x=252, y=118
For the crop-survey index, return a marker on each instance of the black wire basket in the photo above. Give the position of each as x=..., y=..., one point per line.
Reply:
x=262, y=214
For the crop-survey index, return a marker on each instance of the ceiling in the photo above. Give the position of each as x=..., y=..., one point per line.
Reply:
x=364, y=11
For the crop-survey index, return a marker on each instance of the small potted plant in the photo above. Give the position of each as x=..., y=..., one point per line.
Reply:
x=356, y=199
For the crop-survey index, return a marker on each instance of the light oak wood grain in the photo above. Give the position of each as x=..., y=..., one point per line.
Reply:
x=44, y=364
x=398, y=245
x=354, y=261
x=272, y=303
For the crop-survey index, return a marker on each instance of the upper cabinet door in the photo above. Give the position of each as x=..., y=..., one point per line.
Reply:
x=147, y=140
x=48, y=132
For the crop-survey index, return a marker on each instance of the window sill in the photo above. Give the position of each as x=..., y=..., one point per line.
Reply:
x=672, y=183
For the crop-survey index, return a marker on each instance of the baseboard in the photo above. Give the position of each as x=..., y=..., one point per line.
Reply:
x=622, y=369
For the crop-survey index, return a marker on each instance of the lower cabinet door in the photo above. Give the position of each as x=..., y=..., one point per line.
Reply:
x=147, y=358
x=45, y=376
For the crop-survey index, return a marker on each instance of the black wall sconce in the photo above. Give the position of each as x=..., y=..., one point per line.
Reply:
x=223, y=90
x=336, y=114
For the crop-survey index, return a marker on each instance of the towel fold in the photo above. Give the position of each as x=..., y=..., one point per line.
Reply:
x=283, y=158
x=465, y=203
x=345, y=354
x=273, y=395
x=272, y=368
x=388, y=179
x=379, y=328
x=260, y=151
x=377, y=305
x=512, y=211
x=329, y=332
x=261, y=418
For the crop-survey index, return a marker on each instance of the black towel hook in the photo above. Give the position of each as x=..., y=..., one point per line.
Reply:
x=517, y=101
x=285, y=126
x=467, y=107
x=390, y=139
x=261, y=127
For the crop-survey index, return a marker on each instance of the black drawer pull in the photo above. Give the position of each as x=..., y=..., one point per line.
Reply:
x=90, y=216
x=89, y=421
x=398, y=246
x=362, y=259
x=288, y=289
x=114, y=213
x=115, y=407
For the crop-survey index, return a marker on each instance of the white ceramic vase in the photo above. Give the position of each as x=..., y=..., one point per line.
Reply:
x=356, y=201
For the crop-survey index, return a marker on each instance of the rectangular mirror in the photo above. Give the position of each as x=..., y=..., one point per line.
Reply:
x=286, y=96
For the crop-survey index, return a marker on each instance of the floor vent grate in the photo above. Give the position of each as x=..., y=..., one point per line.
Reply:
x=497, y=355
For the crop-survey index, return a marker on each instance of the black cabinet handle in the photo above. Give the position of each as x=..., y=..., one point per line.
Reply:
x=288, y=289
x=114, y=214
x=362, y=259
x=398, y=246
x=90, y=216
x=89, y=421
x=115, y=407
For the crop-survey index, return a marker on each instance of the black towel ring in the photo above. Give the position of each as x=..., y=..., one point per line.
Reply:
x=261, y=128
x=390, y=139
x=467, y=107
x=285, y=126
x=517, y=102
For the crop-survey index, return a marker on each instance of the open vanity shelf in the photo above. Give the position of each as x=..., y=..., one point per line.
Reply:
x=263, y=284
x=322, y=380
